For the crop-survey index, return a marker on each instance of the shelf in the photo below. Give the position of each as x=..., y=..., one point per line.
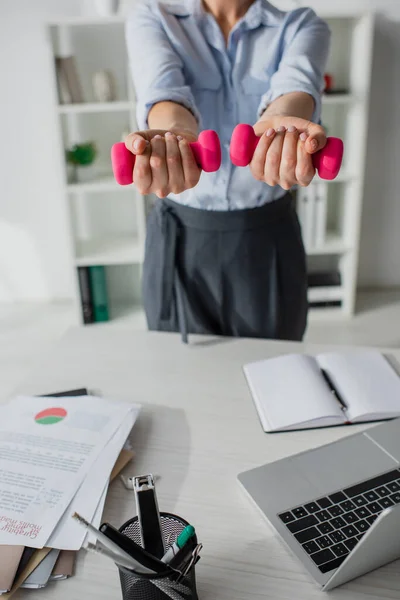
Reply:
x=103, y=183
x=325, y=294
x=95, y=107
x=116, y=250
x=87, y=20
x=337, y=99
x=333, y=245
x=128, y=314
x=316, y=315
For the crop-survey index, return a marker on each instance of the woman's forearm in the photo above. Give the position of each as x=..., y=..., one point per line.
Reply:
x=295, y=104
x=170, y=116
x=293, y=112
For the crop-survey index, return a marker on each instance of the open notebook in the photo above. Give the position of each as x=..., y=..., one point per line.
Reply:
x=298, y=391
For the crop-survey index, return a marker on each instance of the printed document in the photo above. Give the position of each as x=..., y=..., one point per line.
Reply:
x=47, y=447
x=69, y=534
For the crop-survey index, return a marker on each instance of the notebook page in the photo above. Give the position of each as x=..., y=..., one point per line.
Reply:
x=289, y=391
x=366, y=382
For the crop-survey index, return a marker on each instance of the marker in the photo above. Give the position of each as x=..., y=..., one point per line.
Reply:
x=112, y=546
x=180, y=542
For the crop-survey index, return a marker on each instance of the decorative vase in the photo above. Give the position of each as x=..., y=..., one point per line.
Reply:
x=103, y=86
x=105, y=8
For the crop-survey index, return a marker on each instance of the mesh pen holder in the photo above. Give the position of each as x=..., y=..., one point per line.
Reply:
x=164, y=585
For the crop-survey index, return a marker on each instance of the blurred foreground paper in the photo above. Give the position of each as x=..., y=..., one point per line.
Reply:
x=47, y=448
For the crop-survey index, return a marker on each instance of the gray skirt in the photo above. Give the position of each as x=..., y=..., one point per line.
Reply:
x=235, y=273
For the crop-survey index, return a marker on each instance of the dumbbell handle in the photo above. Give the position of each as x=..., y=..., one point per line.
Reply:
x=206, y=151
x=327, y=161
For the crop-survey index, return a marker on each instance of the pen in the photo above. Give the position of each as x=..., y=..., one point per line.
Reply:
x=334, y=391
x=118, y=560
x=132, y=548
x=112, y=546
x=180, y=542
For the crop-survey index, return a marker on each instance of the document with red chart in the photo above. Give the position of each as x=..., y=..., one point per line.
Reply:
x=48, y=445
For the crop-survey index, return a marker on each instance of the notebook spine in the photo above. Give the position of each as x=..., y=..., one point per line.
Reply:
x=98, y=285
x=86, y=295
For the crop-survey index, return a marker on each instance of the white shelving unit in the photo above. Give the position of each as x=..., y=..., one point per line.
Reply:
x=94, y=107
x=107, y=222
x=330, y=212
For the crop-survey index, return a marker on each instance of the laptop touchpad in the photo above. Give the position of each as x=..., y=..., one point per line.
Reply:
x=344, y=463
x=388, y=437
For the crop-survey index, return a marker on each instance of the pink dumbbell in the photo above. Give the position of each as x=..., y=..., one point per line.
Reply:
x=327, y=161
x=207, y=154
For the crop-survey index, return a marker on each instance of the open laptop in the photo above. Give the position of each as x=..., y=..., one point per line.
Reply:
x=337, y=507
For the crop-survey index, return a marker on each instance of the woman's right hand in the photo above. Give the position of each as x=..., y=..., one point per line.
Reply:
x=164, y=162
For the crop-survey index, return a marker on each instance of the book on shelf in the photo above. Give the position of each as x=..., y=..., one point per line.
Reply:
x=98, y=287
x=68, y=82
x=306, y=214
x=315, y=304
x=299, y=391
x=86, y=295
x=337, y=92
x=324, y=279
x=64, y=96
x=321, y=212
x=312, y=209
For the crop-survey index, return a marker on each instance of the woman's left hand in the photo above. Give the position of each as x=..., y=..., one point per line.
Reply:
x=284, y=153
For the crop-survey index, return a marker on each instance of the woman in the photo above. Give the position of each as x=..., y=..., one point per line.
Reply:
x=224, y=253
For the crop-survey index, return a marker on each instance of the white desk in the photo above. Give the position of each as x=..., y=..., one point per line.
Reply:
x=198, y=430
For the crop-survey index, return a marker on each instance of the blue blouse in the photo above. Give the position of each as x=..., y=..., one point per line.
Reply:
x=177, y=52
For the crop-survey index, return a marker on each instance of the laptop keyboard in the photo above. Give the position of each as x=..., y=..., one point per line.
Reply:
x=330, y=527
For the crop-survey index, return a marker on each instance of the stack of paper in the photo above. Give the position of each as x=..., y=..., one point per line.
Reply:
x=57, y=456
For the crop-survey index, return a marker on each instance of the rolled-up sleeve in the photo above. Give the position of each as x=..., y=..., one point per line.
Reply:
x=303, y=62
x=156, y=69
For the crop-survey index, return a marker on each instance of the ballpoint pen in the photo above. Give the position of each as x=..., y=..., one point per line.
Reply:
x=333, y=390
x=180, y=542
x=133, y=549
x=112, y=546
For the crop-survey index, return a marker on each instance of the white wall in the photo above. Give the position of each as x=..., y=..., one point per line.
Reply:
x=34, y=258
x=33, y=242
x=380, y=242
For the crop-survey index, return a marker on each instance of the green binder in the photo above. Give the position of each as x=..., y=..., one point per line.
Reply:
x=98, y=287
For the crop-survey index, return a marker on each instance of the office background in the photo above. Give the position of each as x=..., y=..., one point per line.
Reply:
x=36, y=279
x=33, y=252
x=35, y=265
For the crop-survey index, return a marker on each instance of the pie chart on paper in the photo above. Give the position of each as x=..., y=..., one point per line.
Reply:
x=50, y=416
